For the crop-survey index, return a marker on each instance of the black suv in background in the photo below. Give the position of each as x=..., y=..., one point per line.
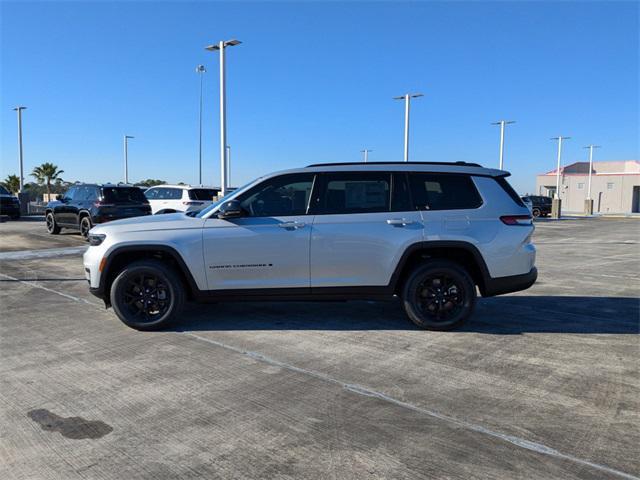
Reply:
x=540, y=206
x=82, y=206
x=9, y=204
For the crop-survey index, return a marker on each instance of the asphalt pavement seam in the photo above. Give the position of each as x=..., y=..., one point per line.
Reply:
x=360, y=390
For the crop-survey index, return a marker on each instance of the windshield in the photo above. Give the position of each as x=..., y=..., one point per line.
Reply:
x=204, y=212
x=4, y=191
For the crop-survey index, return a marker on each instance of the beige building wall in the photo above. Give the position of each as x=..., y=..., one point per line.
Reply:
x=611, y=192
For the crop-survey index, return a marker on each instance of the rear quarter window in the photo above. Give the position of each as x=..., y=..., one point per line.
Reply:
x=123, y=195
x=441, y=191
x=509, y=189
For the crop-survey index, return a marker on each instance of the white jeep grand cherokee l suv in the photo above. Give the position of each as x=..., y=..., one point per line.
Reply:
x=428, y=233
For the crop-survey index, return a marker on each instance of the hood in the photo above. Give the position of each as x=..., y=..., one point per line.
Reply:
x=169, y=221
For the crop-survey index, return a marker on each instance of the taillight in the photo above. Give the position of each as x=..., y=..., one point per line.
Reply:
x=192, y=203
x=517, y=219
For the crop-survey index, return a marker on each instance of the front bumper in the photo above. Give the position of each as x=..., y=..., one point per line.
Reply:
x=513, y=283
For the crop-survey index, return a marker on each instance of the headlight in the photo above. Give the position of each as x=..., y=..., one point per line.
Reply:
x=96, y=239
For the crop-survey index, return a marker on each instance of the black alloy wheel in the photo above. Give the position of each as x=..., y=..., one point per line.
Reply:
x=439, y=295
x=52, y=226
x=147, y=295
x=85, y=226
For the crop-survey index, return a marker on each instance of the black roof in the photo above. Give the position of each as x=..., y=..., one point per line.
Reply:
x=462, y=164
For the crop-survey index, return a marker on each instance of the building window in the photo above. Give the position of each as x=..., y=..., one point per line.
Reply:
x=609, y=186
x=581, y=186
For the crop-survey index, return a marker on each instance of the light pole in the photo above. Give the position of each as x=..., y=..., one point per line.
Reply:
x=19, y=110
x=502, y=123
x=588, y=203
x=228, y=166
x=407, y=106
x=366, y=154
x=556, y=204
x=126, y=158
x=200, y=70
x=223, y=112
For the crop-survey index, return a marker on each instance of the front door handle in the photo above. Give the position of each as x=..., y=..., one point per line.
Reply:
x=291, y=225
x=399, y=222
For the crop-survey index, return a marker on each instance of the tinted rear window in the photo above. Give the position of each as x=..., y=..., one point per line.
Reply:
x=439, y=191
x=123, y=195
x=509, y=189
x=202, y=194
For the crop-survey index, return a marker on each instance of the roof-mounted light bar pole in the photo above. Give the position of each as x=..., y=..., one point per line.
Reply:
x=19, y=109
x=502, y=123
x=407, y=106
x=560, y=139
x=126, y=158
x=590, y=147
x=223, y=112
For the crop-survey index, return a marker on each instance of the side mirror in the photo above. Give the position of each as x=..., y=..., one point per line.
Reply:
x=58, y=197
x=230, y=209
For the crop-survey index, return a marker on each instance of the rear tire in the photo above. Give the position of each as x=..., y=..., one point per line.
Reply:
x=52, y=226
x=85, y=226
x=147, y=295
x=439, y=295
x=536, y=212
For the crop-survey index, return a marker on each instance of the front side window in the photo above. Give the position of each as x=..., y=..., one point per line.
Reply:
x=441, y=191
x=151, y=194
x=281, y=196
x=356, y=192
x=203, y=194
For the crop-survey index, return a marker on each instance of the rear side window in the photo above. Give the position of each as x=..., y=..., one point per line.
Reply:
x=169, y=194
x=350, y=192
x=509, y=189
x=440, y=191
x=202, y=194
x=123, y=195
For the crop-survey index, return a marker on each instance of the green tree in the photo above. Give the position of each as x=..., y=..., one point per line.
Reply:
x=150, y=182
x=12, y=183
x=46, y=173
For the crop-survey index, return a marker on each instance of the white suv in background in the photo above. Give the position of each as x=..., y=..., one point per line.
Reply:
x=430, y=234
x=179, y=198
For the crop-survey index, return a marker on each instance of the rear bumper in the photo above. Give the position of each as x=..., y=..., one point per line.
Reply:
x=514, y=283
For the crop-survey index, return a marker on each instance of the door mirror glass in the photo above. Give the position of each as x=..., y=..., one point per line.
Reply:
x=230, y=209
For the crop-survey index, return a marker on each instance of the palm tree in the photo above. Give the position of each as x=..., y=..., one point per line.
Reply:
x=45, y=173
x=12, y=183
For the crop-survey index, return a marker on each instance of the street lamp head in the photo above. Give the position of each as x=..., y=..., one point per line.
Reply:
x=560, y=137
x=227, y=43
x=399, y=98
x=416, y=95
x=19, y=107
x=506, y=122
x=129, y=136
x=200, y=69
x=593, y=146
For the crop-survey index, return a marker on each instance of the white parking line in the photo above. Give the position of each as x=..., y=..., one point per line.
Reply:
x=360, y=390
x=44, y=253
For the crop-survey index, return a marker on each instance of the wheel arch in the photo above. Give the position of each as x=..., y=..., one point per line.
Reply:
x=122, y=256
x=463, y=253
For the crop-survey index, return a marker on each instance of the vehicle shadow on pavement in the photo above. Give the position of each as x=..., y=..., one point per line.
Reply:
x=507, y=315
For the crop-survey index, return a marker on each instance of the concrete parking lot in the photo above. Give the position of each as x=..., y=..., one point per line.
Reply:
x=540, y=384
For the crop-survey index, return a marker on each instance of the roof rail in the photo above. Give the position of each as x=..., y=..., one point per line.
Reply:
x=462, y=164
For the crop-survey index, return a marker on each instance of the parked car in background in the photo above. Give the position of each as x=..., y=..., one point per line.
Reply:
x=527, y=203
x=9, y=204
x=86, y=205
x=540, y=206
x=431, y=234
x=179, y=198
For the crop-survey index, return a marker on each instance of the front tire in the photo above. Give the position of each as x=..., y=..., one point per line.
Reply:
x=439, y=295
x=52, y=226
x=536, y=212
x=147, y=295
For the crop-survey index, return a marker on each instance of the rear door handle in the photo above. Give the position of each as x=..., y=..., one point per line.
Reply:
x=291, y=225
x=400, y=222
